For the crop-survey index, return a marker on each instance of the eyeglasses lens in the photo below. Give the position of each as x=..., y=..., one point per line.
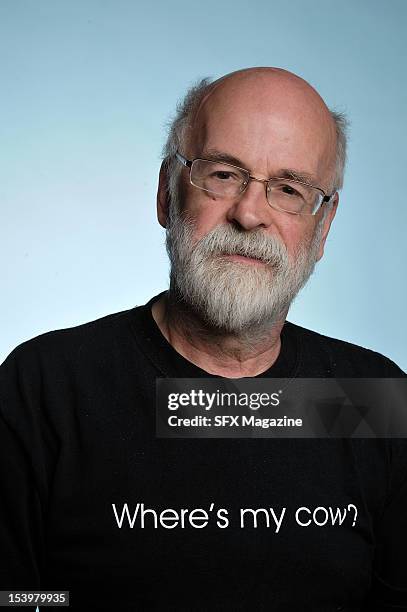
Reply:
x=229, y=181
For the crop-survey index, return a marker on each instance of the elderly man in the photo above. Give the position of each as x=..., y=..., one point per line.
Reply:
x=94, y=503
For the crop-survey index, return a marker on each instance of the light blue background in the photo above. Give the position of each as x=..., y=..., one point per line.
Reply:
x=86, y=90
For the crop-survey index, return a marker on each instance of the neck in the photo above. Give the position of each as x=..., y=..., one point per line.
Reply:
x=227, y=355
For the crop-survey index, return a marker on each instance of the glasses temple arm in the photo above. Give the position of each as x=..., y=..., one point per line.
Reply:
x=185, y=162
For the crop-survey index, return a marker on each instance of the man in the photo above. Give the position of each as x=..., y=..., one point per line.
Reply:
x=248, y=190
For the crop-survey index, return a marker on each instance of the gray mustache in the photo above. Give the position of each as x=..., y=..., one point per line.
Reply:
x=224, y=240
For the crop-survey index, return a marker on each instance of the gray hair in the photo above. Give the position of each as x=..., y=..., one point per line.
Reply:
x=342, y=126
x=186, y=109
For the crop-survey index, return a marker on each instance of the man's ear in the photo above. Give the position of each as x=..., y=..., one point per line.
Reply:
x=327, y=224
x=163, y=198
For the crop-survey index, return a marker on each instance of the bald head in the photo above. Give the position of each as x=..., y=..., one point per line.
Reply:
x=266, y=84
x=261, y=106
x=268, y=118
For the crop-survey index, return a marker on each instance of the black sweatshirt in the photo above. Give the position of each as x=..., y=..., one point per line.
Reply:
x=77, y=435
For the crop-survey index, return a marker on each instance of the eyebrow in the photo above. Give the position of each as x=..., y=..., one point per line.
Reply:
x=298, y=175
x=215, y=155
x=288, y=173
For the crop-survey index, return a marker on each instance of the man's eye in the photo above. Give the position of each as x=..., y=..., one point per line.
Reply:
x=223, y=176
x=289, y=190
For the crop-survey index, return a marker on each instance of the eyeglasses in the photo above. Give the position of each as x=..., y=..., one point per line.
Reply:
x=228, y=181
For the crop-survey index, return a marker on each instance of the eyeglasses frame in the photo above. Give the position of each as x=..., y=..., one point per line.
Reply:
x=325, y=200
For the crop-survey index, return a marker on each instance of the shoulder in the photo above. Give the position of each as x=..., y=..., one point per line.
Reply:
x=56, y=366
x=67, y=344
x=333, y=357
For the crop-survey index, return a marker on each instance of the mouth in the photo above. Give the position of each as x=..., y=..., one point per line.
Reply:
x=251, y=261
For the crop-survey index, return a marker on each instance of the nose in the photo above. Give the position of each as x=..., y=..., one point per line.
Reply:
x=251, y=209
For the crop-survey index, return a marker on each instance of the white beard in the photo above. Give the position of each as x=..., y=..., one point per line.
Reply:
x=232, y=297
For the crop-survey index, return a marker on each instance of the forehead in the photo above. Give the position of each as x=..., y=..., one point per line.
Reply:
x=268, y=125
